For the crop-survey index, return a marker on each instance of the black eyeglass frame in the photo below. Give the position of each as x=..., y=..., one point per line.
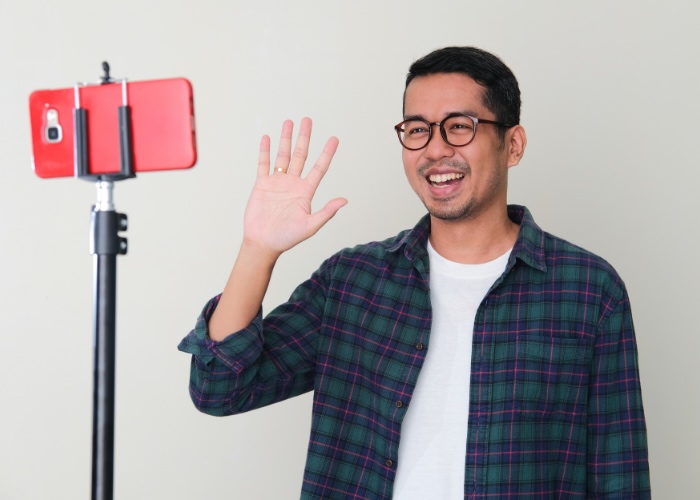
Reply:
x=399, y=128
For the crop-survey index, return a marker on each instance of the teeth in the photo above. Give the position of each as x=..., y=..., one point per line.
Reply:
x=439, y=178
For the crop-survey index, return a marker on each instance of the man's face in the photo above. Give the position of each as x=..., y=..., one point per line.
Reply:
x=455, y=182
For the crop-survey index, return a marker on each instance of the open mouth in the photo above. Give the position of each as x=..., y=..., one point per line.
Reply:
x=440, y=180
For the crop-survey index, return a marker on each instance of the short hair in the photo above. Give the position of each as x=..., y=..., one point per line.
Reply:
x=501, y=91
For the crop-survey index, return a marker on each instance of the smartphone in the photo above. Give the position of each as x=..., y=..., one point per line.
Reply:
x=162, y=118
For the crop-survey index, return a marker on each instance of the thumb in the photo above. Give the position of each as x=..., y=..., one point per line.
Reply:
x=318, y=219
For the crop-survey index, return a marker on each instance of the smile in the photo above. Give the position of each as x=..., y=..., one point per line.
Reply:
x=444, y=179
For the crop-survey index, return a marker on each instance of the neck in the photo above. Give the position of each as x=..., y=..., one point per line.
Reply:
x=474, y=240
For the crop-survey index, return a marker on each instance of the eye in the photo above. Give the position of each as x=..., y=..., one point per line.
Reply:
x=459, y=126
x=418, y=129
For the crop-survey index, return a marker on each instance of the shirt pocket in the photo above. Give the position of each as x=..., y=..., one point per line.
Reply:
x=551, y=377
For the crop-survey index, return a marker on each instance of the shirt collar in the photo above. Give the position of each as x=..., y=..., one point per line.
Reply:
x=529, y=245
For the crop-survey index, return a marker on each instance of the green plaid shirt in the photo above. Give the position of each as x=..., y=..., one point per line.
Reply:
x=555, y=405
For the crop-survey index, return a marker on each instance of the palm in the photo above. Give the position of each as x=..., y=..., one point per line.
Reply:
x=278, y=215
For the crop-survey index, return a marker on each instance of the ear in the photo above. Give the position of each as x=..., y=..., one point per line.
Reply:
x=516, y=140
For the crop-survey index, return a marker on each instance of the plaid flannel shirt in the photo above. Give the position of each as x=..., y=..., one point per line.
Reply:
x=555, y=405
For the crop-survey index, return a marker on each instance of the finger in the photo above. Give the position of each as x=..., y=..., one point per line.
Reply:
x=301, y=149
x=264, y=156
x=285, y=148
x=324, y=160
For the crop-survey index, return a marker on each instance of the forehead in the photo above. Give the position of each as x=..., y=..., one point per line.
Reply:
x=443, y=93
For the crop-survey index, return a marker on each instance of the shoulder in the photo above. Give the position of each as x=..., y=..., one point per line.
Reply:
x=567, y=266
x=373, y=253
x=390, y=255
x=572, y=263
x=379, y=248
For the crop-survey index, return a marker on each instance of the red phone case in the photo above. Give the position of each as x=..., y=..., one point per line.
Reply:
x=162, y=117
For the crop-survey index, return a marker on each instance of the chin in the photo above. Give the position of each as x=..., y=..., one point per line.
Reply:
x=453, y=213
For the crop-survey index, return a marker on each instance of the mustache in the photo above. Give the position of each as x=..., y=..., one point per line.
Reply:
x=462, y=166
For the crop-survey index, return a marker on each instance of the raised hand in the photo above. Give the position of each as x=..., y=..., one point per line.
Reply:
x=279, y=215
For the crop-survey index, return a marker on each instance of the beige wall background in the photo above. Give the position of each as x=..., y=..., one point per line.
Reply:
x=610, y=104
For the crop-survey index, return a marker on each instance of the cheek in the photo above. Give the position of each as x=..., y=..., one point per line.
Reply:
x=410, y=168
x=411, y=160
x=405, y=157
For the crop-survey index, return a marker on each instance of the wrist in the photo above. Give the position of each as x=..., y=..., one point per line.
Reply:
x=252, y=251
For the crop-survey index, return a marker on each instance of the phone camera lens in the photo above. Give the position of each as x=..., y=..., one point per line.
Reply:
x=52, y=133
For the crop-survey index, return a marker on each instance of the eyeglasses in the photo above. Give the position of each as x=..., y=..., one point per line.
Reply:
x=456, y=130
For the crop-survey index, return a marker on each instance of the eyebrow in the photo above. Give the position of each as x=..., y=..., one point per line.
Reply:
x=461, y=112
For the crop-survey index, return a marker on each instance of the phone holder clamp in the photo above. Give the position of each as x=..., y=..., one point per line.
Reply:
x=80, y=124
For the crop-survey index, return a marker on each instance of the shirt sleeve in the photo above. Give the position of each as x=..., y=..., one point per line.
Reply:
x=270, y=360
x=617, y=442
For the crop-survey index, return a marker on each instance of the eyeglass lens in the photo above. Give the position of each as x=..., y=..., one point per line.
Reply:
x=458, y=131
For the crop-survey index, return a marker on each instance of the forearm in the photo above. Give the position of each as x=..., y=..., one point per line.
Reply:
x=244, y=292
x=249, y=368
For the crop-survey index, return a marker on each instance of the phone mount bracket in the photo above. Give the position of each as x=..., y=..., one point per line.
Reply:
x=80, y=124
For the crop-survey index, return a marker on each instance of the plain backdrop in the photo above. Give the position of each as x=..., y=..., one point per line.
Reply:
x=610, y=105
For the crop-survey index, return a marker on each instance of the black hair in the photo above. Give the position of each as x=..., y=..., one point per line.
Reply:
x=501, y=91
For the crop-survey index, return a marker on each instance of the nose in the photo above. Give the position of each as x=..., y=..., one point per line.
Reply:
x=437, y=148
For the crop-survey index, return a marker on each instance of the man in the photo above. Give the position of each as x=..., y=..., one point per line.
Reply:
x=474, y=356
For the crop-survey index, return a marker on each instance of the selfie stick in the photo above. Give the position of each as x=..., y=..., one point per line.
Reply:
x=105, y=245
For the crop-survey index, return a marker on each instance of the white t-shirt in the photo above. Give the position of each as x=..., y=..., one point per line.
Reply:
x=434, y=431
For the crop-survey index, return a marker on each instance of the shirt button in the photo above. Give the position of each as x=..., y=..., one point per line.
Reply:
x=399, y=404
x=419, y=346
x=389, y=462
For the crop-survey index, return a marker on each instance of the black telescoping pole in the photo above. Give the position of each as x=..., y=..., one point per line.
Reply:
x=105, y=245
